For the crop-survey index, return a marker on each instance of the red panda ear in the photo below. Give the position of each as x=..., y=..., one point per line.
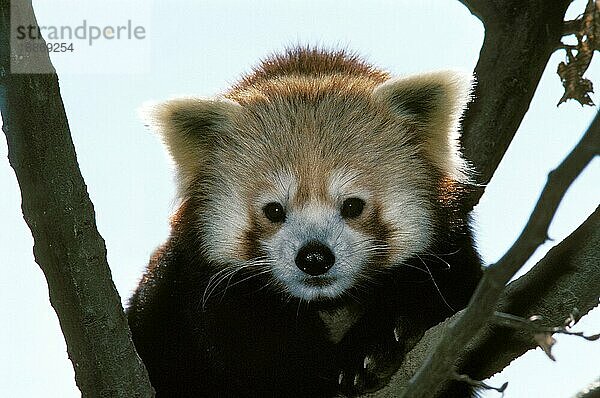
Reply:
x=189, y=127
x=436, y=101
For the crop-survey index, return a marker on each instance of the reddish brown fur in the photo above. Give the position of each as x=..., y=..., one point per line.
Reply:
x=311, y=185
x=310, y=62
x=258, y=227
x=311, y=113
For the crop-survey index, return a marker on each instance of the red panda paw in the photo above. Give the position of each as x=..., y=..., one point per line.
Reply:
x=369, y=367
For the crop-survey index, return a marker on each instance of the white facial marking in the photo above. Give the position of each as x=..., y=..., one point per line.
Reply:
x=411, y=218
x=323, y=224
x=402, y=207
x=283, y=190
x=224, y=224
x=228, y=217
x=320, y=222
x=343, y=184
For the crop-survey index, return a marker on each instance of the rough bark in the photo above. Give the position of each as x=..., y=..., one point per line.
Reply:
x=519, y=38
x=67, y=245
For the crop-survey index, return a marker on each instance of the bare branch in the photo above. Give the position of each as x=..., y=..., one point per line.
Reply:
x=567, y=277
x=531, y=326
x=564, y=46
x=542, y=335
x=478, y=384
x=57, y=208
x=571, y=27
x=440, y=366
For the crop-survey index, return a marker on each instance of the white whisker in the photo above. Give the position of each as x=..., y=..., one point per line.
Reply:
x=436, y=285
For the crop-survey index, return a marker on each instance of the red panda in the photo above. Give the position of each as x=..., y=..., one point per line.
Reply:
x=322, y=228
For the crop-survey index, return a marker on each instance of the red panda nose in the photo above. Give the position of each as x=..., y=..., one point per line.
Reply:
x=315, y=258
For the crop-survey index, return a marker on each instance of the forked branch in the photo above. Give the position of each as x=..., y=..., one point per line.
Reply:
x=440, y=366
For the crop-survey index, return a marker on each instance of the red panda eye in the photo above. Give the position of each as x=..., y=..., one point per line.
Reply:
x=352, y=207
x=274, y=212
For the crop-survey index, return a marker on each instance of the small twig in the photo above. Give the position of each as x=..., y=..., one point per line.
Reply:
x=573, y=26
x=479, y=383
x=541, y=334
x=530, y=325
x=565, y=46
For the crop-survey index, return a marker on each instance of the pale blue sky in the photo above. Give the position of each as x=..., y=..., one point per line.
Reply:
x=199, y=48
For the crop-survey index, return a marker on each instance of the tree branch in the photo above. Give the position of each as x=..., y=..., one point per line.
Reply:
x=591, y=391
x=482, y=9
x=567, y=277
x=571, y=27
x=532, y=325
x=57, y=208
x=519, y=39
x=440, y=366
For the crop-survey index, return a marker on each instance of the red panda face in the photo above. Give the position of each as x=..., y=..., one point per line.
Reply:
x=338, y=235
x=320, y=194
x=320, y=184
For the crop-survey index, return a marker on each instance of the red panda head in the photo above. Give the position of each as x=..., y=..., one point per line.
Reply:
x=319, y=182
